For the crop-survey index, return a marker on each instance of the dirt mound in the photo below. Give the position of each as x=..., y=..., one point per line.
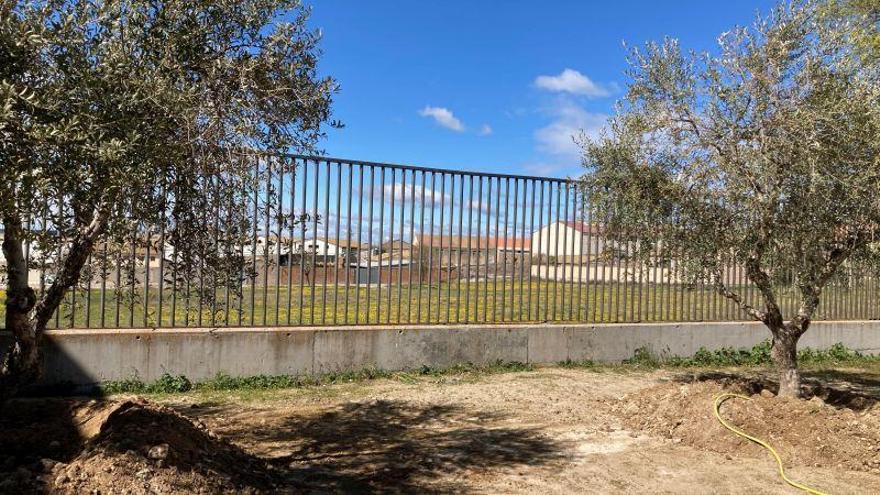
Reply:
x=840, y=431
x=131, y=446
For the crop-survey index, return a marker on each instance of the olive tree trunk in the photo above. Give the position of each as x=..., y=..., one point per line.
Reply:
x=784, y=354
x=27, y=317
x=21, y=362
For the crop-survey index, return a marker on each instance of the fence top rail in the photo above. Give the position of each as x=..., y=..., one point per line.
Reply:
x=317, y=158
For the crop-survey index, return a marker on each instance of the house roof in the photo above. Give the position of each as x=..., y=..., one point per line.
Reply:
x=341, y=243
x=476, y=242
x=511, y=242
x=396, y=244
x=585, y=228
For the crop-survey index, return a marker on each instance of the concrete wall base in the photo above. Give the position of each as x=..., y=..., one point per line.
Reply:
x=83, y=357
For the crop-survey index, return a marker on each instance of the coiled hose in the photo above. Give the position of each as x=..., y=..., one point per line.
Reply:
x=723, y=397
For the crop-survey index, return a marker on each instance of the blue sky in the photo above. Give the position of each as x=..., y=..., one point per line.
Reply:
x=492, y=86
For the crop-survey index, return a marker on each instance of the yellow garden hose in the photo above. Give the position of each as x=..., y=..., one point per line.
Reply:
x=718, y=401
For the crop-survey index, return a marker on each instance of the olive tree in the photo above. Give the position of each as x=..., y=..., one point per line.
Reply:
x=765, y=155
x=119, y=117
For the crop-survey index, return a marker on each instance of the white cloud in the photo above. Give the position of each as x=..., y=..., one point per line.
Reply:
x=571, y=122
x=443, y=116
x=409, y=193
x=572, y=81
x=558, y=141
x=485, y=130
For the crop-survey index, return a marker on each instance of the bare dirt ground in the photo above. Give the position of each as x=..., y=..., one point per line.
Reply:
x=553, y=430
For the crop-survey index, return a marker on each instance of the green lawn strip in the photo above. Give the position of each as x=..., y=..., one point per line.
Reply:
x=477, y=301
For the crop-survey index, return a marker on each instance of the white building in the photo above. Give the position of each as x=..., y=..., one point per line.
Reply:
x=570, y=240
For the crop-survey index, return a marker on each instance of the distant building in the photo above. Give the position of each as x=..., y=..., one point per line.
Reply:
x=394, y=250
x=448, y=250
x=568, y=239
x=511, y=245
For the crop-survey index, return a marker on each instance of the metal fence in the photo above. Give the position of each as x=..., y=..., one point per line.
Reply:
x=341, y=242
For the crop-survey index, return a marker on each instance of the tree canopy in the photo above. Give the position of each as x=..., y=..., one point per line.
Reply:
x=766, y=152
x=120, y=114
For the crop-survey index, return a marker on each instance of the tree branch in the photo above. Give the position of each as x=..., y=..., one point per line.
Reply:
x=722, y=289
x=80, y=249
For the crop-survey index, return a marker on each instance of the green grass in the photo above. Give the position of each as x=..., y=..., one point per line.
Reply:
x=438, y=303
x=171, y=384
x=757, y=356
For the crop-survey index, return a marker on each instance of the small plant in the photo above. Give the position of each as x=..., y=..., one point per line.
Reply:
x=569, y=364
x=168, y=383
x=132, y=385
x=643, y=357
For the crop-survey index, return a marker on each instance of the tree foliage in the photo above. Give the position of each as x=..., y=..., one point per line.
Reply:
x=766, y=153
x=136, y=117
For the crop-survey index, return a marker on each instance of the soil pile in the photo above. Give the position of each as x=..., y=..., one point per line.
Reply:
x=845, y=435
x=130, y=446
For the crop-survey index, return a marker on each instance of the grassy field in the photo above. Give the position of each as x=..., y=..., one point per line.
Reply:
x=474, y=302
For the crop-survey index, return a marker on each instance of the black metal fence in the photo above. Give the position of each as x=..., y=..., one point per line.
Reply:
x=341, y=242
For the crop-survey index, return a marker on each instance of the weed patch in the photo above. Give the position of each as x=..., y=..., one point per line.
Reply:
x=759, y=355
x=169, y=384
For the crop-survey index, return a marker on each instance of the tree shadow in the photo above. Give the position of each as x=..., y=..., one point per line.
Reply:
x=393, y=446
x=838, y=388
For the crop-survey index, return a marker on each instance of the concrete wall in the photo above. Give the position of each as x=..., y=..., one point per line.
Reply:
x=89, y=356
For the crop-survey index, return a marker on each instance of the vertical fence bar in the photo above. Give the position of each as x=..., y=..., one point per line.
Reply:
x=313, y=242
x=348, y=246
x=431, y=245
x=531, y=248
x=440, y=248
x=543, y=260
x=498, y=250
x=480, y=244
x=411, y=243
x=133, y=281
x=267, y=241
x=279, y=243
x=391, y=244
x=421, y=236
x=470, y=209
x=370, y=236
x=370, y=239
x=521, y=252
x=450, y=243
x=605, y=255
x=291, y=244
x=88, y=281
x=565, y=254
x=518, y=246
x=504, y=250
x=216, y=192
x=357, y=299
x=550, y=302
x=391, y=249
x=489, y=246
x=576, y=252
x=253, y=254
x=412, y=239
x=459, y=246
x=104, y=275
x=559, y=224
x=511, y=248
x=162, y=214
x=590, y=308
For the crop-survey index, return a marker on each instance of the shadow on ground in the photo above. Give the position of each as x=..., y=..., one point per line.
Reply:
x=82, y=445
x=390, y=446
x=856, y=390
